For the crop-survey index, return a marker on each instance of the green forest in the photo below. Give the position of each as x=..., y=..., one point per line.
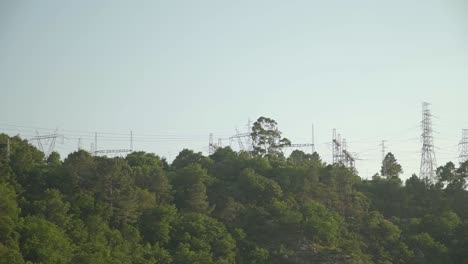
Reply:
x=229, y=207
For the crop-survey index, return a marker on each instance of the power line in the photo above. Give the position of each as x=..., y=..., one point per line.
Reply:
x=114, y=135
x=90, y=136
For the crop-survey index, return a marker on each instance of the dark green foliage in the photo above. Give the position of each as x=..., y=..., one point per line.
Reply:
x=44, y=242
x=390, y=167
x=9, y=212
x=148, y=171
x=53, y=208
x=9, y=218
x=226, y=208
x=190, y=188
x=320, y=225
x=267, y=138
x=198, y=238
x=187, y=157
x=428, y=250
x=156, y=224
x=118, y=192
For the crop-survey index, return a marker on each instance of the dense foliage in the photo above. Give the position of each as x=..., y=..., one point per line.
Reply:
x=226, y=208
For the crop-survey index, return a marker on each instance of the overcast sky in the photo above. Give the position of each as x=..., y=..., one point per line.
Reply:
x=174, y=71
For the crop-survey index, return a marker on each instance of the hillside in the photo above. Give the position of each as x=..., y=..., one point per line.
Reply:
x=229, y=207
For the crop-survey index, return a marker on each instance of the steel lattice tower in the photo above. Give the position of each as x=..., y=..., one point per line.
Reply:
x=211, y=145
x=336, y=148
x=428, y=158
x=48, y=140
x=463, y=146
x=384, y=168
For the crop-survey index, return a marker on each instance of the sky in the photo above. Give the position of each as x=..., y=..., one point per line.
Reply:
x=174, y=71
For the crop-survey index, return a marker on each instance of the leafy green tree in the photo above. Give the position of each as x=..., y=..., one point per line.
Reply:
x=320, y=224
x=267, y=138
x=390, y=167
x=257, y=189
x=93, y=247
x=198, y=238
x=259, y=256
x=386, y=195
x=417, y=198
x=117, y=190
x=9, y=212
x=155, y=224
x=54, y=159
x=53, y=208
x=230, y=207
x=106, y=245
x=78, y=174
x=157, y=254
x=427, y=250
x=10, y=255
x=453, y=178
x=187, y=157
x=230, y=211
x=184, y=254
x=383, y=240
x=458, y=250
x=44, y=242
x=24, y=158
x=27, y=165
x=442, y=226
x=190, y=188
x=149, y=174
x=299, y=157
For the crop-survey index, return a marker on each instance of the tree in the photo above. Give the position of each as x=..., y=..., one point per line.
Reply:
x=78, y=174
x=383, y=240
x=267, y=138
x=451, y=177
x=44, y=242
x=257, y=189
x=149, y=174
x=198, y=238
x=117, y=190
x=9, y=212
x=258, y=256
x=187, y=157
x=10, y=255
x=155, y=224
x=54, y=159
x=53, y=208
x=442, y=226
x=230, y=207
x=190, y=188
x=320, y=224
x=390, y=167
x=427, y=250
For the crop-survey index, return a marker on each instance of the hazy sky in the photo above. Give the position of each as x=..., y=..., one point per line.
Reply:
x=174, y=71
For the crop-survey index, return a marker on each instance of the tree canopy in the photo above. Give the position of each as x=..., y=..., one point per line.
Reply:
x=267, y=138
x=390, y=167
x=229, y=207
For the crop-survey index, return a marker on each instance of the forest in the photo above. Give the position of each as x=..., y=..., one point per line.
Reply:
x=229, y=207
